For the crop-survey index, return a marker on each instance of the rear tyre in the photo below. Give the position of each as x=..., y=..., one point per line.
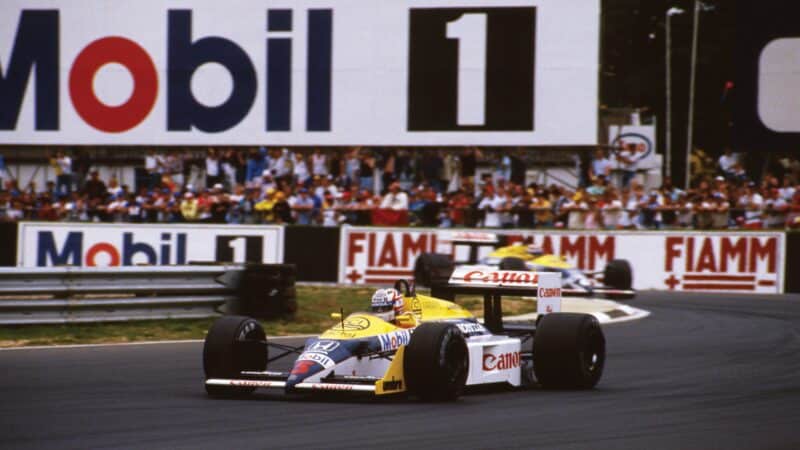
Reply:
x=432, y=269
x=619, y=275
x=233, y=344
x=513, y=264
x=569, y=351
x=436, y=362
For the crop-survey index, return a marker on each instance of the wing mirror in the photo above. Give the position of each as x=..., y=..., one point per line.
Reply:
x=406, y=320
x=337, y=316
x=405, y=287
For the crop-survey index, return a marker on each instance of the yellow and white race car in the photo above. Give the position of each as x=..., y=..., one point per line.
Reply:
x=433, y=351
x=615, y=281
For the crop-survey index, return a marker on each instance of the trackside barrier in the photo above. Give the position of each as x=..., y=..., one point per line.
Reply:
x=75, y=295
x=719, y=261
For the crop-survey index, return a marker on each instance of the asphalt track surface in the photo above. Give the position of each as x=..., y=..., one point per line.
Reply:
x=703, y=371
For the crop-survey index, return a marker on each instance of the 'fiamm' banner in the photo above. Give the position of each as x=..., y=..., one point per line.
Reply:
x=686, y=261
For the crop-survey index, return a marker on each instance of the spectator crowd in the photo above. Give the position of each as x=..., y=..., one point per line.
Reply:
x=437, y=188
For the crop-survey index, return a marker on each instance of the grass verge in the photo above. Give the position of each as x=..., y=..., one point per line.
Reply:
x=315, y=303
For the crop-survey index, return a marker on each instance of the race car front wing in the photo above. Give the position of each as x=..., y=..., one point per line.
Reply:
x=282, y=384
x=392, y=381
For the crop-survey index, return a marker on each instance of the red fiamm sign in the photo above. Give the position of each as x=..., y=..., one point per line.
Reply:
x=670, y=260
x=381, y=255
x=726, y=262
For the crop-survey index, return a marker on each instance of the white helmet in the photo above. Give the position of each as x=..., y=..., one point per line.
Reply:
x=535, y=250
x=387, y=303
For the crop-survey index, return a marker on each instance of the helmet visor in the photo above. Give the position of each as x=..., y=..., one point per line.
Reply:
x=382, y=307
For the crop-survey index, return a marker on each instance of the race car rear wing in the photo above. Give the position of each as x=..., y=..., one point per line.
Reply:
x=494, y=284
x=474, y=240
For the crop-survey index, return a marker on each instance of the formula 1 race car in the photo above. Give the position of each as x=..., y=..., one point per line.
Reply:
x=444, y=349
x=617, y=278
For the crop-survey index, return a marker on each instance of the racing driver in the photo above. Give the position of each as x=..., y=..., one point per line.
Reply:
x=388, y=304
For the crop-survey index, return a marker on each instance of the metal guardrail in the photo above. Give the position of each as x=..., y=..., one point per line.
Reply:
x=77, y=295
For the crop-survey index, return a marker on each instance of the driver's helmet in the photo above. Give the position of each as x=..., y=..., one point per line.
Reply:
x=535, y=250
x=387, y=304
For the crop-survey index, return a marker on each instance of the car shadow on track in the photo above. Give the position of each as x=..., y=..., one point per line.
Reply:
x=496, y=390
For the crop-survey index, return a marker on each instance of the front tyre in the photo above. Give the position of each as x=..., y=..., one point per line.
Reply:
x=619, y=275
x=569, y=351
x=233, y=344
x=436, y=362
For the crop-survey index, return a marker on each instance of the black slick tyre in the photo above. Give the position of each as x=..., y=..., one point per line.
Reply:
x=432, y=269
x=436, y=362
x=569, y=351
x=233, y=344
x=511, y=263
x=619, y=275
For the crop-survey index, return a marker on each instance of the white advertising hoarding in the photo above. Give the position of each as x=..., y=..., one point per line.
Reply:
x=41, y=244
x=300, y=72
x=670, y=260
x=643, y=137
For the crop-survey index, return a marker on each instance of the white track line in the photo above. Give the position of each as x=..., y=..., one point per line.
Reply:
x=603, y=317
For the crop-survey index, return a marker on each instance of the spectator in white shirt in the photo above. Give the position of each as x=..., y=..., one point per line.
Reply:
x=753, y=203
x=173, y=166
x=280, y=163
x=720, y=213
x=726, y=162
x=329, y=211
x=503, y=204
x=612, y=210
x=650, y=207
x=323, y=186
x=787, y=190
x=628, y=158
x=113, y=186
x=319, y=163
x=629, y=204
x=302, y=206
x=576, y=208
x=63, y=166
x=15, y=211
x=153, y=167
x=601, y=165
x=116, y=208
x=395, y=198
x=352, y=163
x=300, y=169
x=265, y=183
x=494, y=207
x=685, y=215
x=775, y=209
x=213, y=172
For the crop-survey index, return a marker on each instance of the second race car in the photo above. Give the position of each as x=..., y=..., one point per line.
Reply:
x=615, y=281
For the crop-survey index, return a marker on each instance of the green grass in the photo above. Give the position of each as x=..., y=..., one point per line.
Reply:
x=315, y=304
x=144, y=330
